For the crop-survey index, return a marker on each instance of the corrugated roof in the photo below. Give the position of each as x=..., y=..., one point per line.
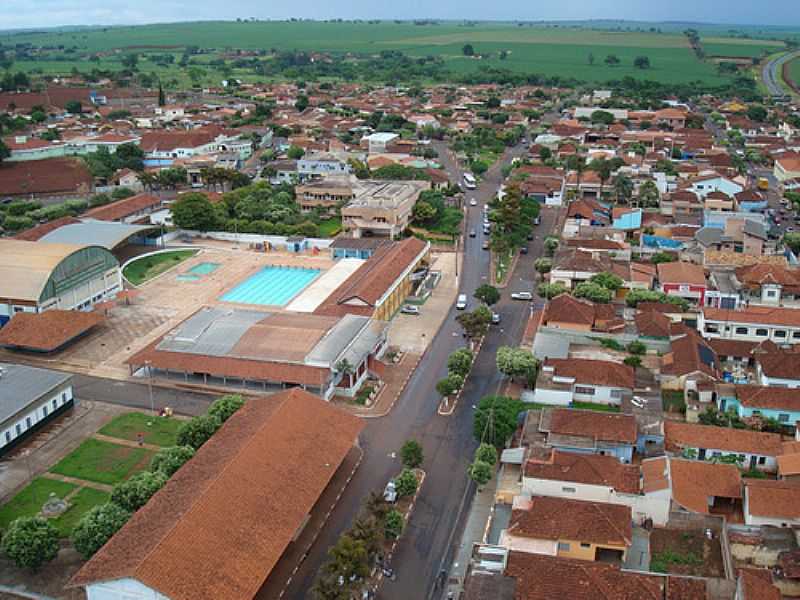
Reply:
x=222, y=522
x=107, y=234
x=20, y=385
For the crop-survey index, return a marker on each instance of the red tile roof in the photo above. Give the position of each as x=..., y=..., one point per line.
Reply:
x=756, y=315
x=549, y=518
x=48, y=176
x=593, y=372
x=219, y=526
x=681, y=272
x=47, y=331
x=694, y=482
x=590, y=469
x=601, y=426
x=122, y=209
x=757, y=396
x=773, y=499
x=757, y=585
x=678, y=436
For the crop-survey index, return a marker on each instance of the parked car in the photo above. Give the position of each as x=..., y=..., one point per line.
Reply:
x=495, y=318
x=521, y=296
x=530, y=237
x=473, y=202
x=461, y=302
x=485, y=244
x=472, y=233
x=523, y=250
x=390, y=492
x=537, y=220
x=409, y=309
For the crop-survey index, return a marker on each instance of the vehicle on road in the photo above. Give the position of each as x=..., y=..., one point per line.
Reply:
x=763, y=183
x=473, y=202
x=530, y=237
x=485, y=244
x=523, y=250
x=522, y=296
x=495, y=318
x=390, y=492
x=638, y=401
x=537, y=220
x=469, y=181
x=472, y=233
x=461, y=302
x=409, y=309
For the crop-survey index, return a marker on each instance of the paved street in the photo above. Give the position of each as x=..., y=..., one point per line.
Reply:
x=772, y=75
x=448, y=442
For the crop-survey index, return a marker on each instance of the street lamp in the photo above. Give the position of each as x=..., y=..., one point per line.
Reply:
x=149, y=366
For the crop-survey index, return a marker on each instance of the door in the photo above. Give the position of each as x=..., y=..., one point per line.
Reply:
x=702, y=454
x=753, y=460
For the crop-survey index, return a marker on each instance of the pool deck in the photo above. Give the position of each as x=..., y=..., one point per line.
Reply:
x=309, y=299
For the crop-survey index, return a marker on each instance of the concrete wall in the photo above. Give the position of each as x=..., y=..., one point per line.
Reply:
x=122, y=589
x=38, y=412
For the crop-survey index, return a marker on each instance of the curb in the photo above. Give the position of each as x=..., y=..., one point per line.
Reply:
x=447, y=413
x=397, y=395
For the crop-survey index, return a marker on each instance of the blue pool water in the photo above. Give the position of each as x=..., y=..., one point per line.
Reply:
x=187, y=277
x=204, y=268
x=273, y=286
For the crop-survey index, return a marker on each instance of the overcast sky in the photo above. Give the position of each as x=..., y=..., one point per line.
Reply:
x=48, y=13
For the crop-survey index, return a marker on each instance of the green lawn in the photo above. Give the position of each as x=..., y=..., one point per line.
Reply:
x=103, y=462
x=148, y=267
x=673, y=401
x=28, y=501
x=330, y=227
x=160, y=431
x=594, y=406
x=80, y=503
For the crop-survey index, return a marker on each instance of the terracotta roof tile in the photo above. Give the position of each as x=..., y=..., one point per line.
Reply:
x=678, y=436
x=551, y=518
x=602, y=426
x=47, y=331
x=264, y=469
x=756, y=315
x=694, y=481
x=757, y=396
x=124, y=208
x=681, y=272
x=757, y=585
x=592, y=469
x=773, y=499
x=48, y=176
x=593, y=372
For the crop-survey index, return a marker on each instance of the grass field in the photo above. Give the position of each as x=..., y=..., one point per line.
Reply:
x=80, y=503
x=159, y=431
x=29, y=501
x=330, y=227
x=539, y=49
x=147, y=267
x=103, y=462
x=794, y=72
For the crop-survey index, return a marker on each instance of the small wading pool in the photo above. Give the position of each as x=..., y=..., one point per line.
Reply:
x=272, y=286
x=203, y=268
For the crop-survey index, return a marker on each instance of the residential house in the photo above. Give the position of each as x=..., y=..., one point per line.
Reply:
x=779, y=368
x=569, y=529
x=705, y=488
x=771, y=503
x=319, y=164
x=382, y=208
x=578, y=314
x=752, y=324
x=787, y=167
x=766, y=283
x=379, y=143
x=689, y=362
x=325, y=193
x=752, y=450
x=779, y=403
x=134, y=209
x=594, y=478
x=708, y=182
x=589, y=431
x=684, y=280
x=563, y=381
x=756, y=584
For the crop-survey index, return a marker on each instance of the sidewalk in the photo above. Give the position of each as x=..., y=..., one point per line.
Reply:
x=395, y=379
x=475, y=531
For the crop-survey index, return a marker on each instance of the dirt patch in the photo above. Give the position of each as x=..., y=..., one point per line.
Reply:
x=49, y=580
x=685, y=553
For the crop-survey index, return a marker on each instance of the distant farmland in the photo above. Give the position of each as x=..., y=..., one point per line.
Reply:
x=566, y=51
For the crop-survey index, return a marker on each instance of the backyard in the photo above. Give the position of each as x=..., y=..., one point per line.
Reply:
x=147, y=267
x=685, y=553
x=84, y=477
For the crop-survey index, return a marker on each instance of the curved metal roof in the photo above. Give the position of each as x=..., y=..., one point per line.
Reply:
x=107, y=234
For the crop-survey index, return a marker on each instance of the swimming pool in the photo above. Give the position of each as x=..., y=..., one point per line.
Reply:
x=272, y=286
x=204, y=268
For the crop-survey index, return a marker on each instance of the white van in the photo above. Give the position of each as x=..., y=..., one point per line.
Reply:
x=461, y=303
x=469, y=181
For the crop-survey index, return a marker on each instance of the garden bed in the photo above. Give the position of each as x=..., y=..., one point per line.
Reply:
x=143, y=269
x=685, y=553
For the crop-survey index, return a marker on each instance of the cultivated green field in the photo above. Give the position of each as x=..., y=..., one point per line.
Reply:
x=794, y=71
x=545, y=50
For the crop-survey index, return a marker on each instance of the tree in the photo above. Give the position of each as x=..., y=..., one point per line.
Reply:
x=488, y=294
x=641, y=62
x=648, y=195
x=223, y=408
x=495, y=419
x=30, y=542
x=349, y=559
x=406, y=483
x=162, y=98
x=545, y=154
x=197, y=431
x=475, y=323
x=548, y=291
x=129, y=61
x=517, y=362
x=623, y=188
x=756, y=112
x=4, y=151
x=493, y=102
x=301, y=103
x=295, y=152
x=460, y=362
x=74, y=107
x=594, y=292
x=607, y=280
x=602, y=117
x=168, y=460
x=393, y=524
x=792, y=240
x=612, y=60
x=637, y=348
x=662, y=257
x=424, y=211
x=550, y=245
x=411, y=454
x=134, y=493
x=486, y=453
x=194, y=211
x=543, y=265
x=633, y=361
x=450, y=384
x=468, y=50
x=480, y=472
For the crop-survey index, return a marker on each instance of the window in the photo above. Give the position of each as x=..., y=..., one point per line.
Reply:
x=55, y=403
x=756, y=413
x=741, y=330
x=770, y=293
x=63, y=397
x=780, y=333
x=19, y=429
x=762, y=460
x=8, y=436
x=616, y=393
x=568, y=490
x=586, y=391
x=44, y=410
x=783, y=418
x=796, y=335
x=564, y=546
x=762, y=332
x=28, y=423
x=585, y=545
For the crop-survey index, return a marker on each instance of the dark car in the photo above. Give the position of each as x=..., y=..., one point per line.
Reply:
x=523, y=250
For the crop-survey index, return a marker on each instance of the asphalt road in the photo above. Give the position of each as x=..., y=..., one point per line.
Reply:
x=772, y=75
x=448, y=442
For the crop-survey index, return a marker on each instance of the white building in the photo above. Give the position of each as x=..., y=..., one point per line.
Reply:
x=752, y=324
x=377, y=142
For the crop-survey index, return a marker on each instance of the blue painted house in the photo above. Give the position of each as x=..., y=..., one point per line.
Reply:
x=627, y=219
x=779, y=403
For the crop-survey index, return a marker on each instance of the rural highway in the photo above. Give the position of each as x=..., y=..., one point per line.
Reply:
x=772, y=72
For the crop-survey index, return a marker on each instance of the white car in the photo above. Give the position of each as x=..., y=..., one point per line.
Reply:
x=521, y=296
x=473, y=202
x=410, y=309
x=390, y=492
